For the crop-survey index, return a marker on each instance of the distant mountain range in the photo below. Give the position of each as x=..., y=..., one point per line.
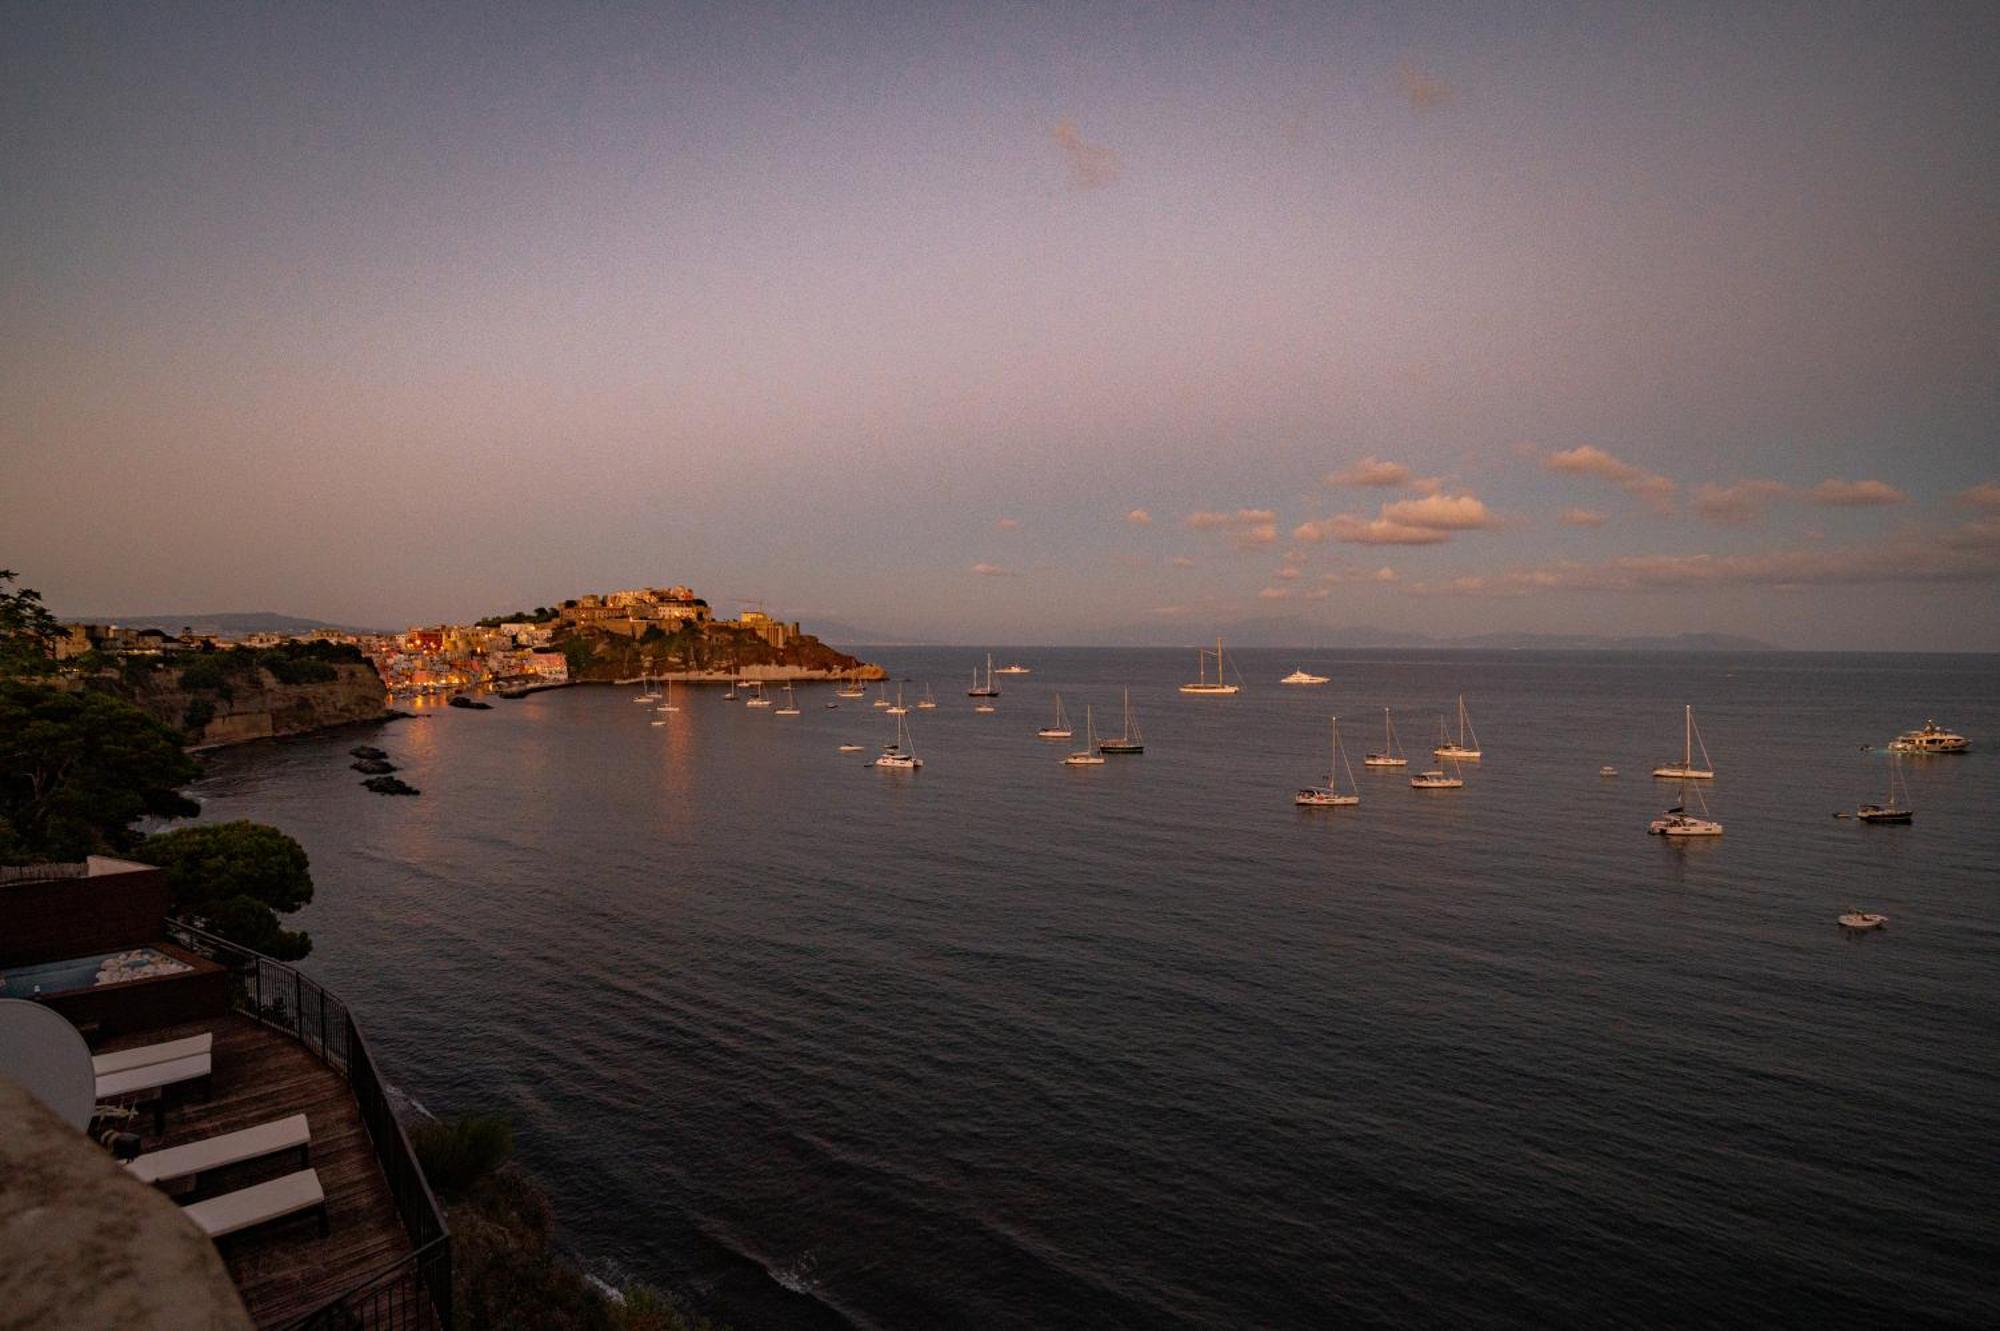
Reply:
x=1288, y=631
x=227, y=624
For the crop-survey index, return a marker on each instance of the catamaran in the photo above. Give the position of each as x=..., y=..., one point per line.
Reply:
x=1329, y=795
x=898, y=709
x=988, y=691
x=901, y=755
x=1889, y=811
x=1059, y=729
x=1678, y=822
x=1129, y=742
x=1201, y=686
x=1303, y=677
x=791, y=707
x=1391, y=754
x=926, y=703
x=1685, y=770
x=1087, y=756
x=1466, y=747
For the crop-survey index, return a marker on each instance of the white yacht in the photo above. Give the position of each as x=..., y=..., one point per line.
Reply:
x=1015, y=670
x=1439, y=779
x=881, y=694
x=1330, y=794
x=897, y=709
x=1087, y=756
x=853, y=688
x=791, y=707
x=1466, y=747
x=1685, y=769
x=1933, y=738
x=926, y=703
x=757, y=698
x=850, y=748
x=901, y=755
x=1303, y=677
x=1201, y=687
x=1391, y=754
x=1678, y=822
x=1060, y=728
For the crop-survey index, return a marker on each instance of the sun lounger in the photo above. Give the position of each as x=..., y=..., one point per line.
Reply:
x=151, y=1081
x=167, y=1052
x=230, y=1148
x=261, y=1204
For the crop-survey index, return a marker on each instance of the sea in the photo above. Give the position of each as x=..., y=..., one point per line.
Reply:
x=1004, y=1043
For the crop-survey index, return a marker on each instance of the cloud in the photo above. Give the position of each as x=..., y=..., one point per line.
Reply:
x=1744, y=501
x=1985, y=495
x=1370, y=472
x=1462, y=512
x=1005, y=524
x=1274, y=594
x=1286, y=574
x=1959, y=556
x=1343, y=577
x=1584, y=517
x=1856, y=494
x=1139, y=517
x=1979, y=534
x=1656, y=492
x=1181, y=561
x=1168, y=611
x=985, y=570
x=1425, y=92
x=1247, y=527
x=1090, y=165
x=1364, y=531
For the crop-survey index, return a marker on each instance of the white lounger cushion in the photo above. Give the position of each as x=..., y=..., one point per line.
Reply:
x=127, y=1059
x=253, y=1206
x=152, y=1076
x=231, y=1148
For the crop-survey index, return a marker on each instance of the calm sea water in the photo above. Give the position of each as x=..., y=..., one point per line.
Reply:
x=1004, y=1044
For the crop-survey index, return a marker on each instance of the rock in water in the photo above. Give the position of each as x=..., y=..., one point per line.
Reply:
x=389, y=785
x=373, y=766
x=364, y=751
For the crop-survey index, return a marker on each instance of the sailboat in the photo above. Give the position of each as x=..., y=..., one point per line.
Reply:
x=791, y=707
x=926, y=703
x=1329, y=795
x=1889, y=811
x=1678, y=822
x=852, y=688
x=1201, y=686
x=902, y=755
x=899, y=709
x=1685, y=770
x=731, y=695
x=1129, y=742
x=668, y=705
x=757, y=698
x=1439, y=779
x=1086, y=756
x=881, y=694
x=645, y=693
x=989, y=691
x=1059, y=729
x=1391, y=755
x=1466, y=748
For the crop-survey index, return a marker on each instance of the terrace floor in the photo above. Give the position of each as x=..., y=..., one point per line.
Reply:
x=285, y=1269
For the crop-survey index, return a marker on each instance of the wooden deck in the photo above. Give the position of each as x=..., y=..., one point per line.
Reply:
x=285, y=1269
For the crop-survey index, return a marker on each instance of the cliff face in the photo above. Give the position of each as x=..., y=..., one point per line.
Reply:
x=714, y=652
x=257, y=706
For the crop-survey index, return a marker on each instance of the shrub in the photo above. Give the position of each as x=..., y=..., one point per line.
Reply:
x=458, y=1152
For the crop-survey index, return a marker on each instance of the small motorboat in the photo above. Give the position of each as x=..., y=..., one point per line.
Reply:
x=850, y=748
x=1607, y=770
x=1861, y=919
x=983, y=707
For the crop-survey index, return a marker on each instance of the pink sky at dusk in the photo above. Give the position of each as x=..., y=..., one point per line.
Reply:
x=989, y=323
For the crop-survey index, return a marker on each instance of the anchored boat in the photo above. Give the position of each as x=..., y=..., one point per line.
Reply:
x=1685, y=769
x=1330, y=794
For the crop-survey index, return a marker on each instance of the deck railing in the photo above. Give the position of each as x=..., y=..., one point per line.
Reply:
x=415, y=1291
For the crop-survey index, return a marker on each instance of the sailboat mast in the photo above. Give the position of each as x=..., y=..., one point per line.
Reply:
x=1687, y=739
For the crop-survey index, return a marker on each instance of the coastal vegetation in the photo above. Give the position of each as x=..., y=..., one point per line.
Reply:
x=27, y=630
x=720, y=648
x=507, y=1272
x=539, y=615
x=77, y=770
x=235, y=879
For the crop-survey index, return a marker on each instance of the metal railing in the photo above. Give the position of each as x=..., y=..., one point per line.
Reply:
x=43, y=873
x=415, y=1291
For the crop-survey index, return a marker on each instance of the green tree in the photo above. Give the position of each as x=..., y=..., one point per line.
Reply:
x=28, y=632
x=78, y=769
x=235, y=879
x=579, y=652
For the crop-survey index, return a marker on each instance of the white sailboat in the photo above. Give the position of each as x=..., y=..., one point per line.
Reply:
x=902, y=755
x=1890, y=811
x=926, y=703
x=987, y=690
x=1201, y=687
x=1685, y=770
x=881, y=694
x=757, y=698
x=898, y=709
x=852, y=688
x=1391, y=754
x=1087, y=756
x=1439, y=779
x=1466, y=747
x=1677, y=822
x=791, y=707
x=669, y=705
x=1060, y=728
x=1330, y=795
x=1131, y=741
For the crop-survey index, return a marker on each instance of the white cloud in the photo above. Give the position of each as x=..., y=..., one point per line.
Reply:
x=986, y=570
x=1656, y=492
x=1856, y=494
x=1247, y=527
x=1745, y=501
x=1370, y=472
x=1985, y=495
x=1584, y=517
x=1287, y=573
x=1274, y=594
x=1444, y=512
x=1181, y=561
x=1005, y=524
x=1430, y=520
x=1139, y=517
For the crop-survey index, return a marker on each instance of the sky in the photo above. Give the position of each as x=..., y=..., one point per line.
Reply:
x=1026, y=323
